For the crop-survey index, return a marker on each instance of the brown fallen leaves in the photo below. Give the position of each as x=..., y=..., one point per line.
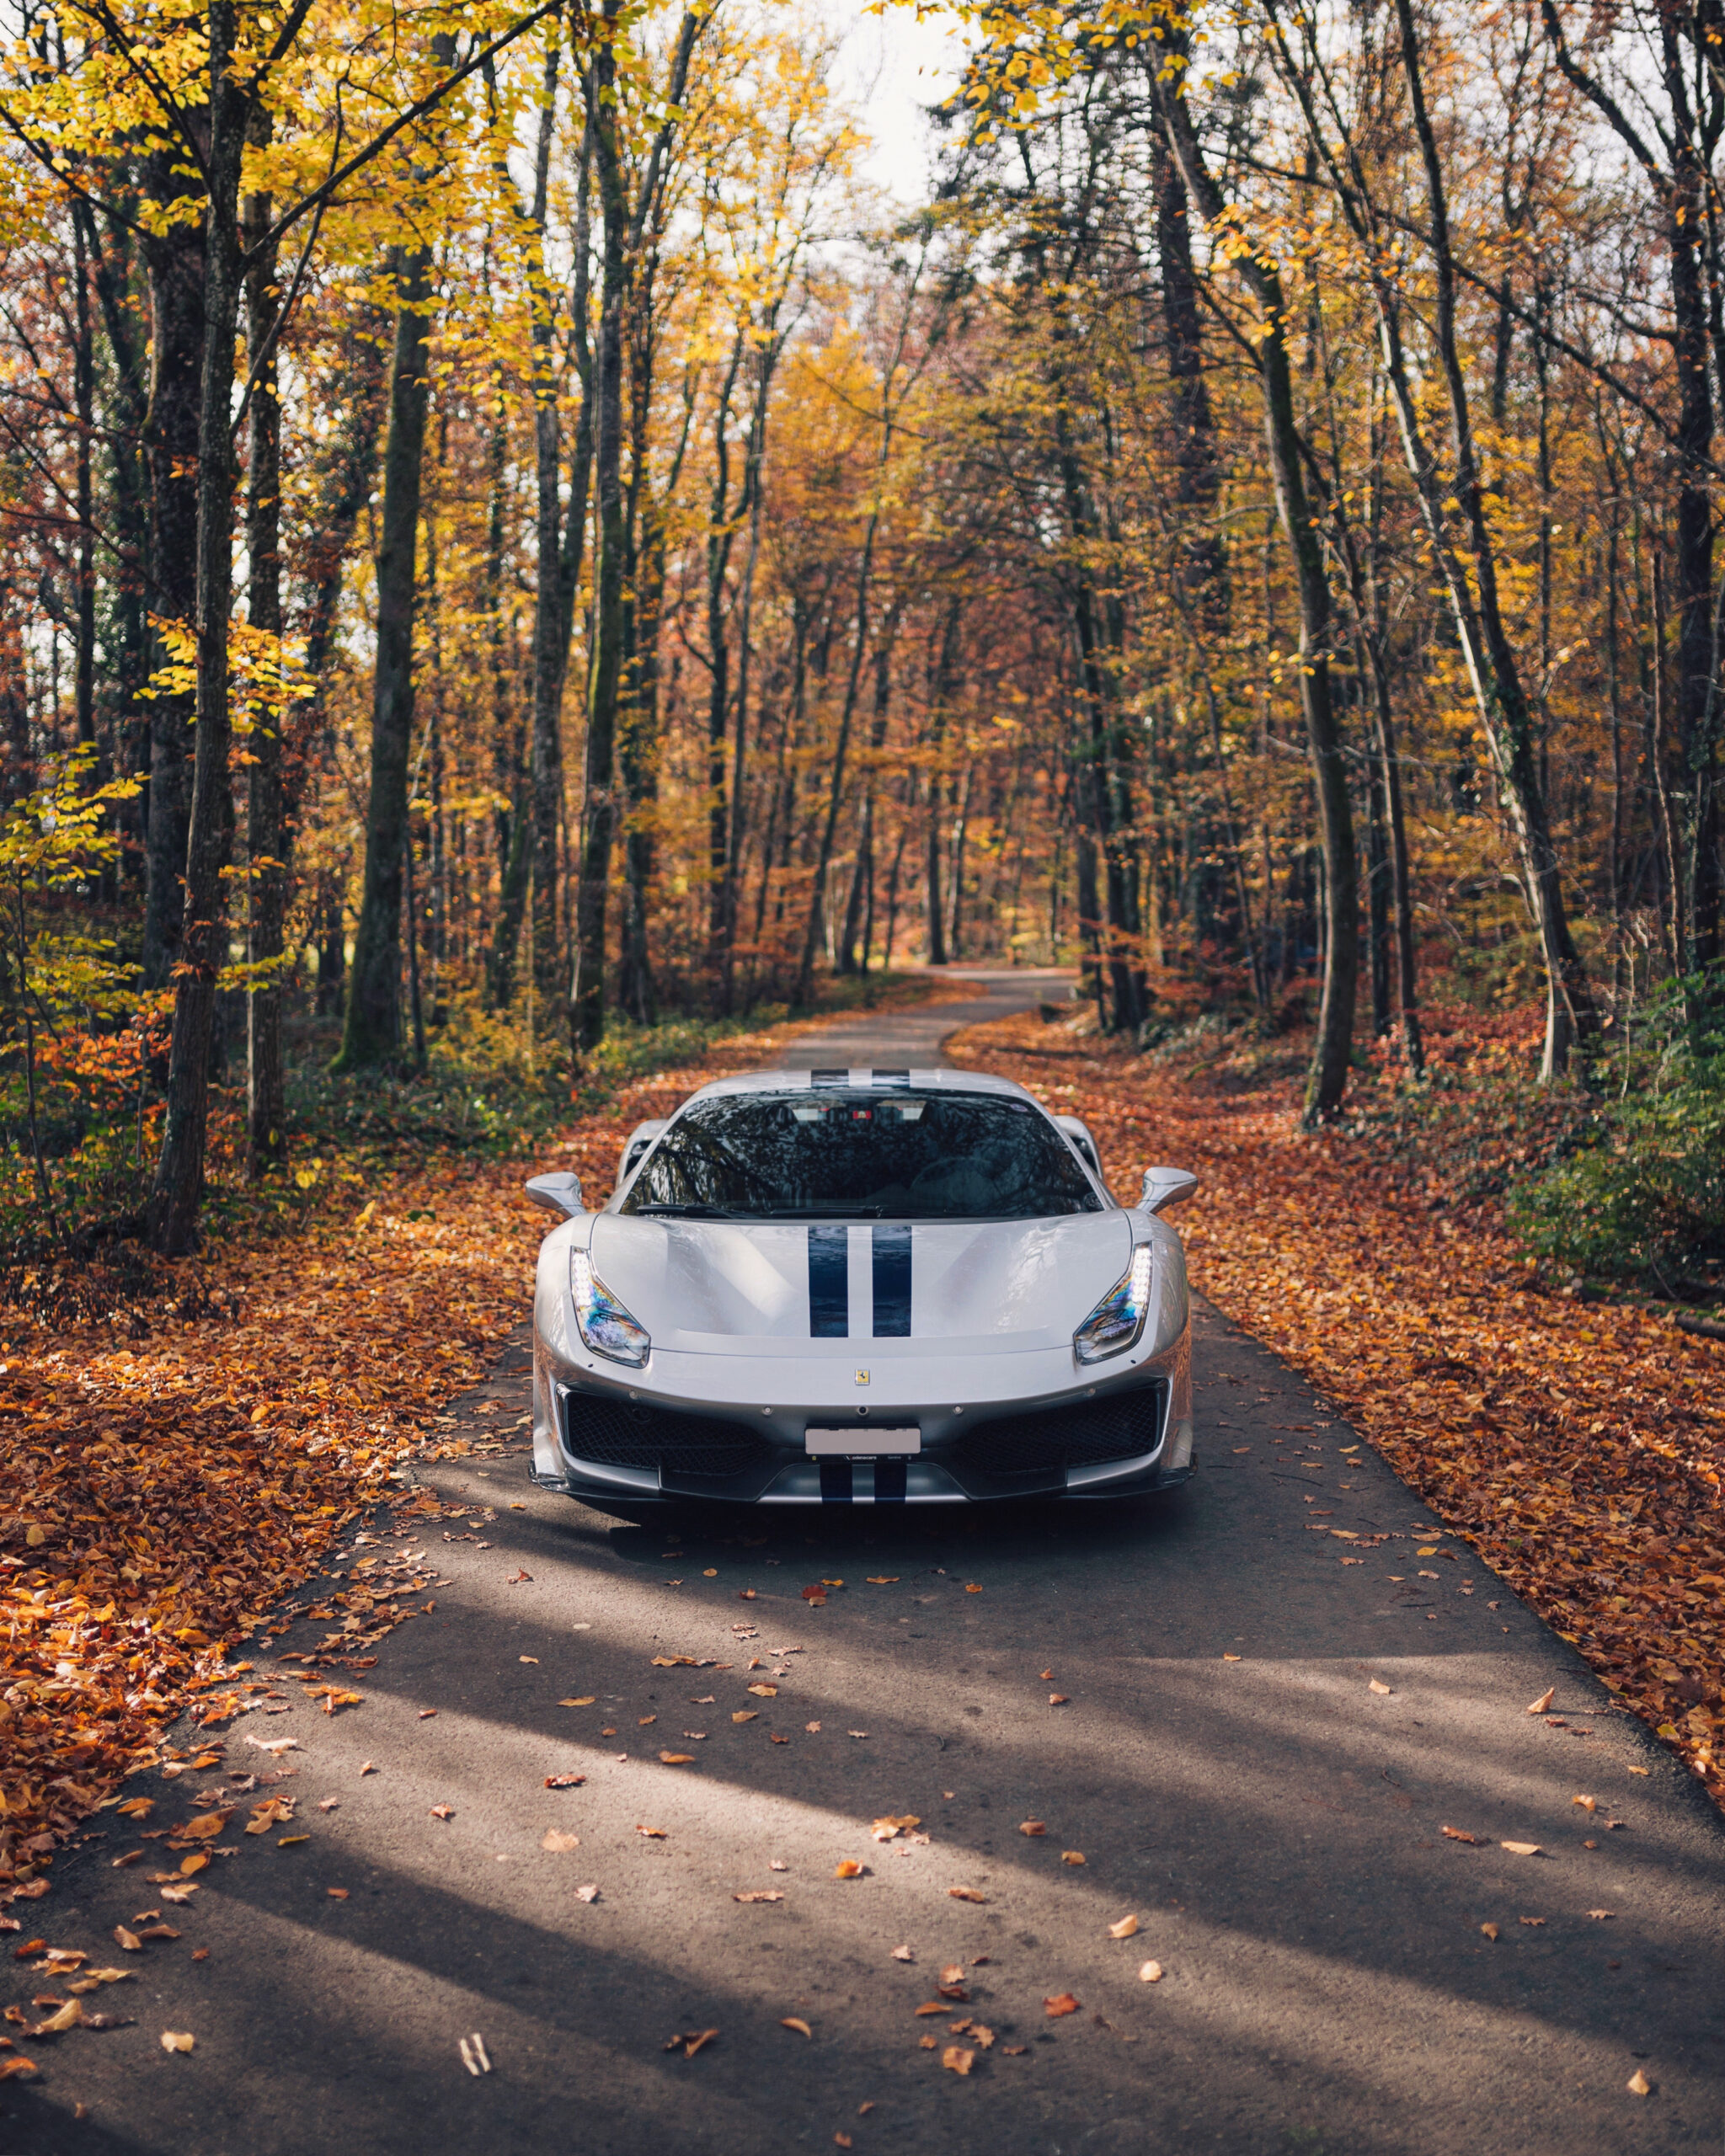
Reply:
x=1578, y=1446
x=236, y=1443
x=1062, y=2002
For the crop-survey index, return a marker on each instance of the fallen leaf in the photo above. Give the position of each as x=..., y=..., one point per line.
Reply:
x=1587, y=1803
x=971, y=1587
x=127, y=1941
x=1150, y=1974
x=814, y=1594
x=653, y=1833
x=336, y=1893
x=565, y=1781
x=966, y=1894
x=585, y=1701
x=1071, y=1856
x=177, y=2039
x=1520, y=1849
x=882, y=1579
x=560, y=1844
x=813, y=1728
x=1057, y=1699
x=1489, y=1930
x=711, y=1573
x=933, y=2006
x=765, y=1691
x=856, y=1732
x=1125, y=1929
x=695, y=2043
x=1230, y=1658
x=10, y=2068
x=1381, y=1689
x=646, y=1721
x=1544, y=1700
x=1638, y=2085
x=292, y=1841
x=1601, y=1915
x=516, y=1577
x=137, y=1807
x=673, y=1661
x=1457, y=1834
x=842, y=2141
x=588, y=1893
x=1062, y=2002
x=748, y=1714
x=1640, y=1770
x=369, y=1768
x=887, y=1828
x=443, y=1811
x=1031, y=1826
x=781, y=1740
x=532, y=1659
x=983, y=2036
x=903, y=1954
x=677, y=1758
x=848, y=1868
x=957, y=2060
x=927, y=2043
x=794, y=2021
x=767, y=1894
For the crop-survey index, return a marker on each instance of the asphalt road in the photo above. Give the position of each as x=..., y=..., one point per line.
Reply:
x=1268, y=1717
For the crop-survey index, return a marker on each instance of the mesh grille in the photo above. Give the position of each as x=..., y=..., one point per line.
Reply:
x=629, y=1433
x=1059, y=1437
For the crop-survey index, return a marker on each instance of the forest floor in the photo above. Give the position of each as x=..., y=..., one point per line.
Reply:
x=1578, y=1446
x=159, y=1499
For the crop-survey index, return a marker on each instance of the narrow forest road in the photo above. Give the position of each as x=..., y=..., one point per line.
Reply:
x=1306, y=1767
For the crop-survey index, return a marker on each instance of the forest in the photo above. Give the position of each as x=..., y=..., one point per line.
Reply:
x=513, y=548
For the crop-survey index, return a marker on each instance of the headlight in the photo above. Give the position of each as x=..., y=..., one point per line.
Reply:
x=605, y=1325
x=1115, y=1323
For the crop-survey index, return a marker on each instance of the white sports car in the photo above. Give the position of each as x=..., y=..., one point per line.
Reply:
x=861, y=1287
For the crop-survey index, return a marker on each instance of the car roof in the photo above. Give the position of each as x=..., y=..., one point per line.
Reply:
x=863, y=1078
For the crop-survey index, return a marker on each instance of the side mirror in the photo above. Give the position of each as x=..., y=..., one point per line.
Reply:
x=1166, y=1187
x=559, y=1193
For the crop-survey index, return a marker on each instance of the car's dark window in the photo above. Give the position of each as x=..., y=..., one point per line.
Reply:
x=824, y=1155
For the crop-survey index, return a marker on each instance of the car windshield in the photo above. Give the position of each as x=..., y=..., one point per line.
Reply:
x=845, y=1154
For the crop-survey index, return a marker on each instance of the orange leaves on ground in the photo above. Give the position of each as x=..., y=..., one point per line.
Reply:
x=1062, y=2002
x=848, y=1868
x=1578, y=1446
x=179, y=1487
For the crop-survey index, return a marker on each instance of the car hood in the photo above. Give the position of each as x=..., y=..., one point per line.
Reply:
x=967, y=1286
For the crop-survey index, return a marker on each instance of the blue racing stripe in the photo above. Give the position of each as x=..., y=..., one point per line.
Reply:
x=829, y=1283
x=892, y=1282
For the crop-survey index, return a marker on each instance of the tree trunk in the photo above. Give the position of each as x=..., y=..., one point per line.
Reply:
x=1328, y=1078
x=176, y=262
x=550, y=647
x=266, y=818
x=598, y=806
x=372, y=1035
x=178, y=1187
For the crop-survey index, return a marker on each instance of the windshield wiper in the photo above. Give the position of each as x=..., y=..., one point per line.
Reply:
x=677, y=1212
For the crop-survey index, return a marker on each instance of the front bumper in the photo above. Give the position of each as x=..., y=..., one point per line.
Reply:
x=605, y=1441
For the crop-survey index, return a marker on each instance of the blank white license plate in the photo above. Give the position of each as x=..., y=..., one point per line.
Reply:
x=862, y=1445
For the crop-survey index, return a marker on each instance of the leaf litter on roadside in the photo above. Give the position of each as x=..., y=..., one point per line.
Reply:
x=1578, y=1446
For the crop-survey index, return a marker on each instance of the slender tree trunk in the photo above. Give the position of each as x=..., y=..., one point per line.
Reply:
x=1328, y=1078
x=175, y=258
x=266, y=818
x=599, y=808
x=550, y=647
x=372, y=1034
x=178, y=1187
